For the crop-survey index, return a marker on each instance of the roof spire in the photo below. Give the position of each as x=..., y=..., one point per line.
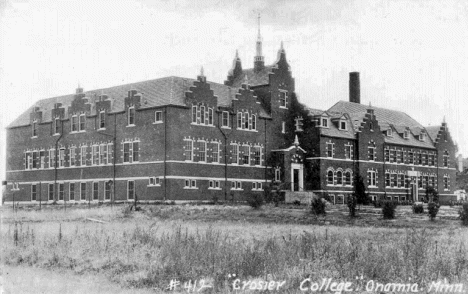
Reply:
x=443, y=121
x=201, y=77
x=202, y=72
x=296, y=141
x=258, y=59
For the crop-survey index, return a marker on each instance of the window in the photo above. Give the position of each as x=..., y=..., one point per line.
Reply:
x=348, y=151
x=425, y=159
x=61, y=191
x=246, y=121
x=72, y=156
x=371, y=178
x=330, y=178
x=371, y=153
x=71, y=192
x=389, y=132
x=56, y=126
x=277, y=175
x=422, y=136
x=283, y=99
x=110, y=153
x=62, y=157
x=411, y=157
x=35, y=159
x=28, y=160
x=33, y=192
x=420, y=158
x=393, y=155
x=387, y=179
x=239, y=120
x=131, y=116
x=245, y=155
x=131, y=151
x=154, y=181
x=257, y=186
x=74, y=123
x=446, y=183
x=298, y=124
x=214, y=185
x=130, y=190
x=102, y=119
x=215, y=152
x=394, y=180
x=201, y=151
x=190, y=184
x=202, y=114
x=257, y=155
x=194, y=114
x=236, y=185
x=51, y=158
x=210, y=116
x=136, y=151
x=225, y=119
x=158, y=117
x=95, y=191
x=95, y=155
x=330, y=149
x=446, y=158
x=343, y=125
x=188, y=150
x=431, y=160
x=339, y=178
x=235, y=154
x=283, y=127
x=348, y=178
x=324, y=122
x=107, y=190
x=82, y=122
x=42, y=158
x=34, y=129
x=83, y=191
x=406, y=134
x=400, y=156
x=83, y=156
x=51, y=192
x=103, y=154
x=254, y=121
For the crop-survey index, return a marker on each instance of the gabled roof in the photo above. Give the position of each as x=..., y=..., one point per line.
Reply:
x=254, y=78
x=158, y=92
x=433, y=131
x=314, y=111
x=386, y=118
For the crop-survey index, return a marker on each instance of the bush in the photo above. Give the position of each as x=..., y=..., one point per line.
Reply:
x=388, y=209
x=463, y=212
x=418, y=208
x=297, y=202
x=432, y=209
x=255, y=200
x=317, y=206
x=352, y=201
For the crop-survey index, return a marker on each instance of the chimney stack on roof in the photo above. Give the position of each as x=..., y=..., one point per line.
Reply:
x=354, y=87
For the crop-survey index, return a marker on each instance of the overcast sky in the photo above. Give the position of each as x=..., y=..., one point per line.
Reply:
x=412, y=55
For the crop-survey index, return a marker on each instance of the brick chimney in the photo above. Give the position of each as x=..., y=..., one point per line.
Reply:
x=354, y=88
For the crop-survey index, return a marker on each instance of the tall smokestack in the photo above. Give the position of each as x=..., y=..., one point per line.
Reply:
x=354, y=87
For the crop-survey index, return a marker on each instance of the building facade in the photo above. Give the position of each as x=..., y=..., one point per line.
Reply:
x=177, y=138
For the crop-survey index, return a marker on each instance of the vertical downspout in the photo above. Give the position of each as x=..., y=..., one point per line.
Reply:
x=383, y=157
x=165, y=152
x=55, y=165
x=265, y=153
x=113, y=160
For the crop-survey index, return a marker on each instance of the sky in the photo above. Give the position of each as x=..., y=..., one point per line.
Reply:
x=411, y=54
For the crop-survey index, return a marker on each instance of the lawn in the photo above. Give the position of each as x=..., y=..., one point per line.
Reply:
x=149, y=248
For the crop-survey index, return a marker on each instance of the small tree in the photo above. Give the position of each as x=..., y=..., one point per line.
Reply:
x=432, y=195
x=432, y=210
x=352, y=205
x=359, y=190
x=255, y=200
x=388, y=209
x=317, y=206
x=463, y=212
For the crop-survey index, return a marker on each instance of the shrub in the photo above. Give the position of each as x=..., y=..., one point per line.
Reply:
x=317, y=206
x=463, y=212
x=255, y=200
x=432, y=209
x=418, y=208
x=352, y=201
x=388, y=209
x=297, y=202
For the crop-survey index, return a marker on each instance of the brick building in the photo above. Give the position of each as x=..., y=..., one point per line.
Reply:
x=178, y=138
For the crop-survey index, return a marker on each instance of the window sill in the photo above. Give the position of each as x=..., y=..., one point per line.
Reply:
x=283, y=107
x=153, y=185
x=226, y=127
x=157, y=122
x=34, y=137
x=191, y=188
x=247, y=130
x=130, y=126
x=217, y=189
x=101, y=129
x=257, y=190
x=56, y=134
x=237, y=189
x=202, y=125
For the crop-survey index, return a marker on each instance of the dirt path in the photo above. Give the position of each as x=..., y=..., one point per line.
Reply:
x=21, y=279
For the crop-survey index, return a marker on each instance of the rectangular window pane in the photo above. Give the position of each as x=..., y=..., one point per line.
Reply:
x=131, y=190
x=136, y=151
x=83, y=191
x=95, y=191
x=61, y=191
x=188, y=150
x=72, y=192
x=126, y=152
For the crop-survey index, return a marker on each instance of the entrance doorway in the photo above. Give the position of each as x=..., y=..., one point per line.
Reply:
x=297, y=177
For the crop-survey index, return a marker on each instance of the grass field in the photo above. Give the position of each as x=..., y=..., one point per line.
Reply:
x=147, y=249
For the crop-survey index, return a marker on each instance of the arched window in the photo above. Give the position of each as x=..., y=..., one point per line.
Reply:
x=348, y=178
x=330, y=177
x=254, y=122
x=339, y=177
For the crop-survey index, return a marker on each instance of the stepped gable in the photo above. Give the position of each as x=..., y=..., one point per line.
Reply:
x=158, y=92
x=387, y=118
x=433, y=132
x=255, y=77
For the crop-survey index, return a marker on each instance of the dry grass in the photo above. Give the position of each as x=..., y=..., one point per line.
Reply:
x=147, y=249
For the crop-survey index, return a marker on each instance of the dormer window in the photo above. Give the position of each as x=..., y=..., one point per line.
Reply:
x=343, y=125
x=406, y=134
x=82, y=122
x=158, y=117
x=422, y=136
x=283, y=99
x=389, y=132
x=225, y=119
x=131, y=116
x=324, y=122
x=56, y=126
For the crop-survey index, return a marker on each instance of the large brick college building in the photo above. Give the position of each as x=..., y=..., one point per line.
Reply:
x=178, y=138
